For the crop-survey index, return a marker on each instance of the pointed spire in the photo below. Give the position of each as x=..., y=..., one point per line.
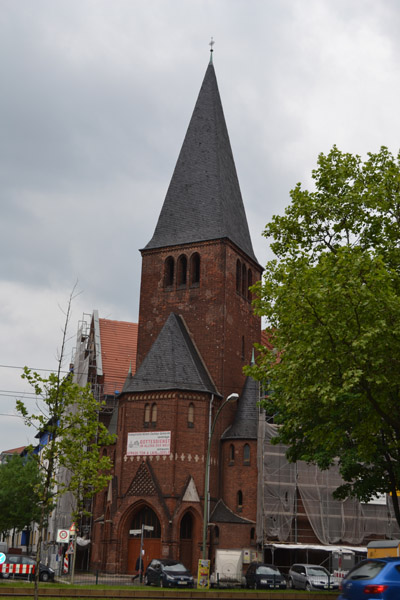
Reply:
x=204, y=201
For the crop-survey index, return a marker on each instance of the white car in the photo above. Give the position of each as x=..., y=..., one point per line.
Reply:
x=311, y=577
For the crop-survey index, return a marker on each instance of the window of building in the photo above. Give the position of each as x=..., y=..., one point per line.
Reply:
x=246, y=454
x=154, y=414
x=195, y=269
x=249, y=284
x=252, y=534
x=146, y=415
x=231, y=454
x=190, y=420
x=238, y=276
x=244, y=281
x=182, y=271
x=240, y=501
x=169, y=271
x=216, y=534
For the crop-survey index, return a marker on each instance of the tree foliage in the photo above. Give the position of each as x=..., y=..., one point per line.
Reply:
x=332, y=299
x=71, y=438
x=19, y=490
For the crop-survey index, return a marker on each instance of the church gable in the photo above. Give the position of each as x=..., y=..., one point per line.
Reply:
x=191, y=494
x=142, y=484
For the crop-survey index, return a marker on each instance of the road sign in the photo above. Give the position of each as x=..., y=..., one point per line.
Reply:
x=72, y=529
x=62, y=536
x=2, y=557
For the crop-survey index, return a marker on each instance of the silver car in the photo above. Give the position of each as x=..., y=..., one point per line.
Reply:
x=311, y=577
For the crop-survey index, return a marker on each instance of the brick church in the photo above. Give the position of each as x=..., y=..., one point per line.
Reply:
x=196, y=331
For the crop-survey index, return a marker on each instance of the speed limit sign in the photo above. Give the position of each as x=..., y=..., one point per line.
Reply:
x=62, y=535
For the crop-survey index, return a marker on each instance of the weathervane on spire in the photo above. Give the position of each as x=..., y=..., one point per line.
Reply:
x=211, y=44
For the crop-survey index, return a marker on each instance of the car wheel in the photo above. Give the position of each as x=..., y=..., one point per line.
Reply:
x=146, y=580
x=290, y=583
x=5, y=575
x=308, y=586
x=255, y=585
x=44, y=576
x=162, y=582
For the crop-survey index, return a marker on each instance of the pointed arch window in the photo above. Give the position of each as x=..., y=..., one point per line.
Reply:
x=190, y=420
x=246, y=454
x=147, y=415
x=147, y=516
x=154, y=414
x=169, y=272
x=238, y=276
x=182, y=271
x=249, y=284
x=195, y=269
x=244, y=281
x=216, y=534
x=239, y=501
x=231, y=454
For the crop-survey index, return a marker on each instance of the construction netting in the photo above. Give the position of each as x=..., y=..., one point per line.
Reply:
x=288, y=491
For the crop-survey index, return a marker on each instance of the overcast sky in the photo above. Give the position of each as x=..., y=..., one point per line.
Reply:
x=95, y=99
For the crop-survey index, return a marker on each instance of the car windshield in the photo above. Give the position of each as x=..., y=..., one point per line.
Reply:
x=266, y=570
x=366, y=570
x=175, y=568
x=317, y=571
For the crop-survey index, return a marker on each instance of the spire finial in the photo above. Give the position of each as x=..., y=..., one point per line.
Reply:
x=253, y=362
x=211, y=44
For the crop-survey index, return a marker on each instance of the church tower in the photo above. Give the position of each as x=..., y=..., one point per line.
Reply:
x=196, y=331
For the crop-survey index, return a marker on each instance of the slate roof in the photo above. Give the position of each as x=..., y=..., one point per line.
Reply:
x=223, y=514
x=245, y=425
x=172, y=362
x=118, y=352
x=204, y=201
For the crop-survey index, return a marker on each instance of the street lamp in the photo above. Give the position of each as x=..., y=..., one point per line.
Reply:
x=206, y=480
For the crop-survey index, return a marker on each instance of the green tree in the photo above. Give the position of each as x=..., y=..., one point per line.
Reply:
x=332, y=300
x=71, y=438
x=19, y=481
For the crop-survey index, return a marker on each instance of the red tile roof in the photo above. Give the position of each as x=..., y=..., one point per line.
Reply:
x=14, y=450
x=118, y=352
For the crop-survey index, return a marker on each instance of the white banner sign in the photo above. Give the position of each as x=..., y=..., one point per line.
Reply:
x=149, y=443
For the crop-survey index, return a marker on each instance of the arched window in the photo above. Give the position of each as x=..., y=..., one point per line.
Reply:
x=216, y=534
x=231, y=454
x=146, y=415
x=182, y=271
x=244, y=281
x=154, y=414
x=190, y=420
x=240, y=501
x=246, y=454
x=195, y=269
x=238, y=276
x=169, y=268
x=249, y=284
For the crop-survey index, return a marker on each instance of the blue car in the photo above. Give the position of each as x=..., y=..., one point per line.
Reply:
x=374, y=578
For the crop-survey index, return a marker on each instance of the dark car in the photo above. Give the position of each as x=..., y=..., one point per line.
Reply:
x=19, y=560
x=311, y=577
x=372, y=578
x=261, y=575
x=168, y=573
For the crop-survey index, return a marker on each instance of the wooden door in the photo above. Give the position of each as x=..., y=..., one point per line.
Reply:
x=151, y=547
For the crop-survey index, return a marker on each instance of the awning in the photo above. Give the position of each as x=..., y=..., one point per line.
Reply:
x=342, y=549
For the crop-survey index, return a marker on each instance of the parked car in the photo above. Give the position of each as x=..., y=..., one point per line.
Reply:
x=372, y=578
x=168, y=573
x=45, y=573
x=261, y=575
x=311, y=577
